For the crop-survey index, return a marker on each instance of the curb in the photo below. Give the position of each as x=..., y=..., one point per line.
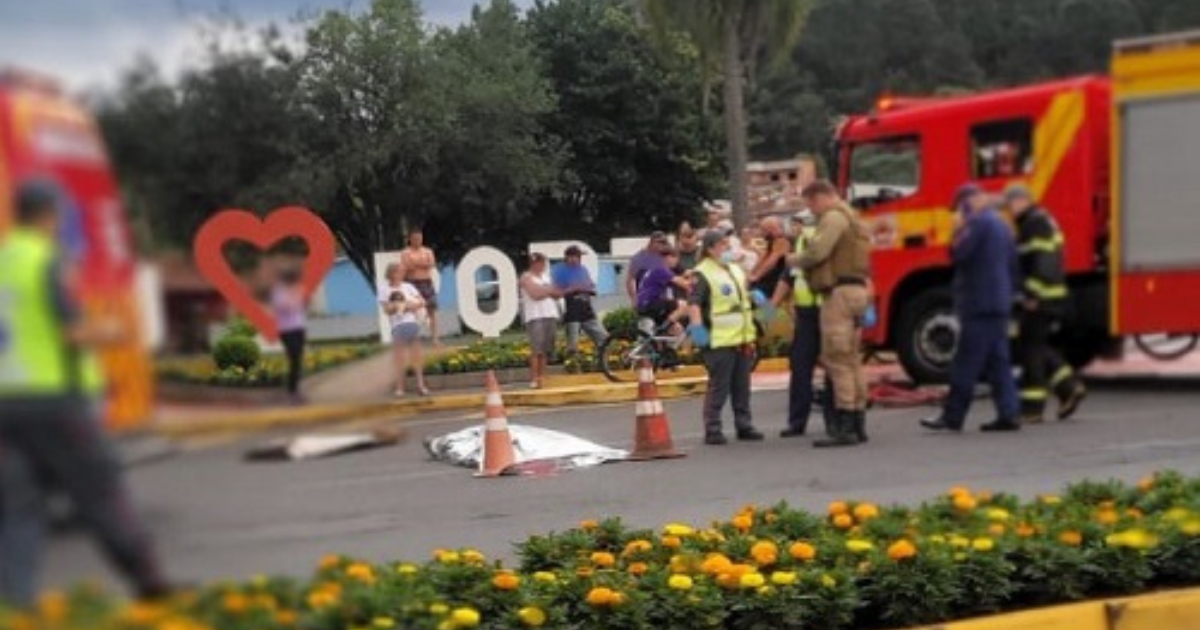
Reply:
x=1168, y=610
x=266, y=419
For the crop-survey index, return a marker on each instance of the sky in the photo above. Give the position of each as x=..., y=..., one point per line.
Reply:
x=86, y=43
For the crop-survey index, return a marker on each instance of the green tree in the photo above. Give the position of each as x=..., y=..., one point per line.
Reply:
x=641, y=154
x=738, y=33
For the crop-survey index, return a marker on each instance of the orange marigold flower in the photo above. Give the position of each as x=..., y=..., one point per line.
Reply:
x=638, y=568
x=743, y=522
x=361, y=572
x=671, y=542
x=716, y=564
x=838, y=507
x=1146, y=484
x=996, y=529
x=1134, y=513
x=1025, y=530
x=866, y=511
x=843, y=521
x=902, y=550
x=959, y=491
x=1071, y=538
x=588, y=525
x=506, y=581
x=965, y=502
x=765, y=552
x=235, y=603
x=802, y=551
x=600, y=596
x=603, y=559
x=1107, y=516
x=329, y=561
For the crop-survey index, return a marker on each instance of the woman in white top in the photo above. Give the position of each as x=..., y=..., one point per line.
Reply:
x=404, y=306
x=539, y=309
x=288, y=306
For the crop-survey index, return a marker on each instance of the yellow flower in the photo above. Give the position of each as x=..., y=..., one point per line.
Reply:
x=407, y=569
x=865, y=512
x=828, y=581
x=937, y=539
x=1050, y=499
x=603, y=559
x=752, y=580
x=448, y=557
x=1071, y=538
x=838, y=507
x=679, y=529
x=471, y=556
x=361, y=572
x=1177, y=514
x=858, y=545
x=680, y=582
x=983, y=544
x=783, y=578
x=1190, y=527
x=997, y=529
x=843, y=521
x=960, y=542
x=998, y=514
x=802, y=551
x=384, y=623
x=465, y=617
x=1133, y=539
x=438, y=609
x=506, y=581
x=545, y=577
x=532, y=616
x=902, y=550
x=765, y=552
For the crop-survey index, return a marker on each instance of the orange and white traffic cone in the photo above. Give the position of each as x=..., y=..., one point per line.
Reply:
x=498, y=456
x=653, y=434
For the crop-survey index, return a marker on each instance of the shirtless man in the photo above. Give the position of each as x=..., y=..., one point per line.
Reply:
x=420, y=262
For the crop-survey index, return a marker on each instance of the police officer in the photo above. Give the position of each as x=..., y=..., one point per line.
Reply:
x=985, y=260
x=48, y=427
x=722, y=323
x=1043, y=299
x=806, y=336
x=836, y=263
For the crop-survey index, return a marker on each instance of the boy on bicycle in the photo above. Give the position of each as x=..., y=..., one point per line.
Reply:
x=661, y=294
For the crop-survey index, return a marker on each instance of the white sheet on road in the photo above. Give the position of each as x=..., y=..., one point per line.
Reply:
x=531, y=445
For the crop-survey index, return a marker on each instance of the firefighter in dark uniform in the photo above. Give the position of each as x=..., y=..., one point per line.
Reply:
x=1043, y=300
x=49, y=432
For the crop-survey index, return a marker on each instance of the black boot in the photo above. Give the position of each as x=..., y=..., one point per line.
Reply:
x=860, y=426
x=844, y=432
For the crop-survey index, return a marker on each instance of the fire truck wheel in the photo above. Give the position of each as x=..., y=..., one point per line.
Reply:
x=926, y=335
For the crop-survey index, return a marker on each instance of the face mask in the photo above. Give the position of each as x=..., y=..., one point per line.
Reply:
x=727, y=257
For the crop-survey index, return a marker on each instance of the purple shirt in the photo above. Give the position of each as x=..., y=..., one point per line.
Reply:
x=655, y=286
x=643, y=262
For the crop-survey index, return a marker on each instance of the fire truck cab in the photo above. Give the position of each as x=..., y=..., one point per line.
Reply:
x=901, y=163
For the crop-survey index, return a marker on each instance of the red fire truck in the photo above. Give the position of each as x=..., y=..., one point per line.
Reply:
x=1113, y=158
x=42, y=133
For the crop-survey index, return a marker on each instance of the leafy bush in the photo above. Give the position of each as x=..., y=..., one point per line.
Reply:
x=234, y=351
x=621, y=322
x=270, y=371
x=857, y=566
x=241, y=327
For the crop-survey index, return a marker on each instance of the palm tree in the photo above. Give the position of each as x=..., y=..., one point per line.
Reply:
x=731, y=36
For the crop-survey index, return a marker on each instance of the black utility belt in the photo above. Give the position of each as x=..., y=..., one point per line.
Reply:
x=850, y=281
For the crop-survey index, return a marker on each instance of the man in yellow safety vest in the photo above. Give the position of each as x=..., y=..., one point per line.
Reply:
x=49, y=430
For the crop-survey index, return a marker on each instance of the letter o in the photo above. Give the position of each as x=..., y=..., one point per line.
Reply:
x=487, y=324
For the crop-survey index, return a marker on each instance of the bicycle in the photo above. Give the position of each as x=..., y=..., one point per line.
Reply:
x=621, y=356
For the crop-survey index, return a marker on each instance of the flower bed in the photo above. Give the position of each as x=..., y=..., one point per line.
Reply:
x=858, y=566
x=269, y=372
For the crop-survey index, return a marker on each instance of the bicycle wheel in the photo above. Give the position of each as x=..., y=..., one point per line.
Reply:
x=620, y=356
x=1167, y=346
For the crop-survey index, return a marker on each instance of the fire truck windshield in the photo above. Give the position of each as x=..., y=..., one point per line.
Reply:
x=884, y=170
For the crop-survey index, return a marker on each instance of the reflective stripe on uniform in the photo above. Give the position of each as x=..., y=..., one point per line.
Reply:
x=1047, y=245
x=1035, y=394
x=1045, y=291
x=1063, y=373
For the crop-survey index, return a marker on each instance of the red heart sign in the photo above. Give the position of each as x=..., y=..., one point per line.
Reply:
x=240, y=225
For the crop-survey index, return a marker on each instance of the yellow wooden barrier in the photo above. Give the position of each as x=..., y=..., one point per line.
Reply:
x=1173, y=610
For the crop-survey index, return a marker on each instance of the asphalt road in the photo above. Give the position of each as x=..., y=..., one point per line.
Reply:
x=218, y=517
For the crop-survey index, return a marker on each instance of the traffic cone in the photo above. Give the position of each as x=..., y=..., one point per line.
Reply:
x=653, y=435
x=498, y=456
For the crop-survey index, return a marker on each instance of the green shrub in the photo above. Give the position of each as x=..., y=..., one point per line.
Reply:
x=621, y=322
x=240, y=327
x=236, y=351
